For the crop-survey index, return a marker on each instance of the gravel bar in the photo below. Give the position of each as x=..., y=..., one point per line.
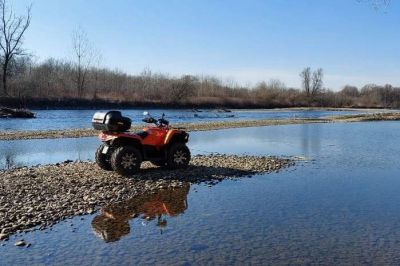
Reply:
x=385, y=116
x=77, y=133
x=34, y=198
x=87, y=132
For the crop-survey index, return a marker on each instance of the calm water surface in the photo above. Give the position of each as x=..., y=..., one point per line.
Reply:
x=340, y=206
x=69, y=119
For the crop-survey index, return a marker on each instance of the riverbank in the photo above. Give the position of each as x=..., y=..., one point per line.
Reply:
x=77, y=133
x=389, y=116
x=94, y=104
x=33, y=198
x=85, y=104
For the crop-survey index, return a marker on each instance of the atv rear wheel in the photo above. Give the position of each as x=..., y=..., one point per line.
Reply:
x=126, y=160
x=178, y=156
x=103, y=160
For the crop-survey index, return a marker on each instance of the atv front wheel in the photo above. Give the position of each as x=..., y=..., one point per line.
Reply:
x=178, y=156
x=126, y=160
x=103, y=159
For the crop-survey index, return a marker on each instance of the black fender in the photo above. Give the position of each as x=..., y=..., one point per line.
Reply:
x=124, y=141
x=181, y=137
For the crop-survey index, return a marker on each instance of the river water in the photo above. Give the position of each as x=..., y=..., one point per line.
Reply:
x=338, y=205
x=70, y=119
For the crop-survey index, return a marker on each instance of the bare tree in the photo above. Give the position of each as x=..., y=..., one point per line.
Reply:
x=276, y=84
x=350, y=91
x=306, y=80
x=97, y=60
x=182, y=88
x=312, y=81
x=12, y=29
x=377, y=4
x=316, y=81
x=84, y=56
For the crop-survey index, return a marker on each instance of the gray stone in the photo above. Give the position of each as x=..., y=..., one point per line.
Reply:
x=20, y=243
x=3, y=236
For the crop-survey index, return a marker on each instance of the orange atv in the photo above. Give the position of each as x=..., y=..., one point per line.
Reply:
x=124, y=151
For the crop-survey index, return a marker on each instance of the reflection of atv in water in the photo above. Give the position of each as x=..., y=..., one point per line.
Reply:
x=113, y=222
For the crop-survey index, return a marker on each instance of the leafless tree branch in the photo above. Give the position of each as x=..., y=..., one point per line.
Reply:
x=12, y=30
x=85, y=55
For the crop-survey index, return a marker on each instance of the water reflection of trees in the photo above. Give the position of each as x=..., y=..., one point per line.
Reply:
x=7, y=158
x=113, y=222
x=310, y=139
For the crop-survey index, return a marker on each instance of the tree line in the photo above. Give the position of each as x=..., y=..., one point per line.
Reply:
x=62, y=80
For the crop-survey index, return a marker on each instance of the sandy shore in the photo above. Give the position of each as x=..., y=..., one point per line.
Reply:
x=77, y=133
x=33, y=198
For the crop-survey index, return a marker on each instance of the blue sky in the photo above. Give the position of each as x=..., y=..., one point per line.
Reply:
x=246, y=41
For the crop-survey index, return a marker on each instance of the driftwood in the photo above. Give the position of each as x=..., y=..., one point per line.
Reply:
x=223, y=110
x=15, y=113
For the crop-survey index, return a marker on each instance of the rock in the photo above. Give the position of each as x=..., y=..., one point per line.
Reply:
x=20, y=243
x=3, y=236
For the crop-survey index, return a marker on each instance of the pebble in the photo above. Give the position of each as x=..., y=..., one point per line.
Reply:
x=3, y=236
x=20, y=243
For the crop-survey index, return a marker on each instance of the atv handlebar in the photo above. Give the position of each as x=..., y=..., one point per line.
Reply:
x=159, y=122
x=149, y=120
x=163, y=121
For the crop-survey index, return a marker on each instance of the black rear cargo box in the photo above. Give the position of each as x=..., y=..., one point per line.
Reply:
x=111, y=121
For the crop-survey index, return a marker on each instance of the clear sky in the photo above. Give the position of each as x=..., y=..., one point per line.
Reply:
x=244, y=40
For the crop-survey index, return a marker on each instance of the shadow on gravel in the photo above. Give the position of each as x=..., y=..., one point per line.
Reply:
x=194, y=174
